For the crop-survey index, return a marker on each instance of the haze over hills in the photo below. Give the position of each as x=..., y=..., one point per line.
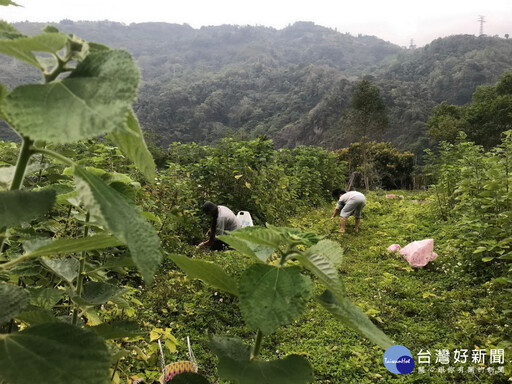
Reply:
x=292, y=85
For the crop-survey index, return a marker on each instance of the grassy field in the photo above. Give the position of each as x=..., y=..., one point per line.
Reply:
x=443, y=306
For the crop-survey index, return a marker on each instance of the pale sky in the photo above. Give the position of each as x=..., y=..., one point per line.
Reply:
x=397, y=21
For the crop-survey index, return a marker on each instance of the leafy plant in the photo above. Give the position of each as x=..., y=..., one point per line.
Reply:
x=273, y=292
x=47, y=282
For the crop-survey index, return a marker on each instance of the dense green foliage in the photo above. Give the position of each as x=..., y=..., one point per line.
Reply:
x=54, y=276
x=436, y=307
x=253, y=176
x=473, y=189
x=483, y=121
x=387, y=167
x=292, y=84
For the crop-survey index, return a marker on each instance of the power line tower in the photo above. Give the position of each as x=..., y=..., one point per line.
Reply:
x=481, y=20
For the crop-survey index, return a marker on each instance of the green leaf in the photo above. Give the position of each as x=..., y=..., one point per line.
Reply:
x=353, y=317
x=107, y=206
x=14, y=299
x=9, y=2
x=97, y=47
x=54, y=353
x=37, y=316
x=17, y=207
x=45, y=297
x=3, y=94
x=66, y=269
x=118, y=330
x=96, y=293
x=487, y=259
x=130, y=141
x=272, y=296
x=324, y=269
x=259, y=235
x=209, y=273
x=7, y=31
x=235, y=364
x=247, y=248
x=22, y=47
x=189, y=378
x=93, y=100
x=26, y=268
x=230, y=347
x=329, y=249
x=70, y=246
x=296, y=236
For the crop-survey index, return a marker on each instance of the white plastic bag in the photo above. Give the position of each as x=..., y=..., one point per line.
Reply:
x=244, y=218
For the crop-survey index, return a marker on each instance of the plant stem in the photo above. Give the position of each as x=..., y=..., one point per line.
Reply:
x=21, y=165
x=80, y=280
x=257, y=345
x=41, y=170
x=19, y=174
x=53, y=154
x=114, y=371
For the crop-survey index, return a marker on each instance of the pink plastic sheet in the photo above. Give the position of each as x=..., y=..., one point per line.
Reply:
x=418, y=253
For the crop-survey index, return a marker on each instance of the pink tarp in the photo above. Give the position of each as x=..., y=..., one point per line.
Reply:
x=418, y=253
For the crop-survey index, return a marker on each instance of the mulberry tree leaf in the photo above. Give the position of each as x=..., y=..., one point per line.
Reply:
x=107, y=206
x=17, y=206
x=271, y=296
x=235, y=364
x=92, y=101
x=14, y=299
x=54, y=353
x=131, y=142
x=354, y=317
x=22, y=47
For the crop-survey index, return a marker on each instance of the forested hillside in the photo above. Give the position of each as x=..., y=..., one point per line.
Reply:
x=292, y=85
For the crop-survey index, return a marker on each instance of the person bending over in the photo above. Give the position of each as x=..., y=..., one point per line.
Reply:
x=349, y=204
x=223, y=220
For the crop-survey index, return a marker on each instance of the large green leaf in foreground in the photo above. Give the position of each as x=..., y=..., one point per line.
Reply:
x=320, y=259
x=8, y=2
x=69, y=246
x=22, y=47
x=53, y=353
x=235, y=364
x=12, y=300
x=93, y=100
x=17, y=207
x=208, y=272
x=131, y=142
x=271, y=297
x=353, y=317
x=110, y=208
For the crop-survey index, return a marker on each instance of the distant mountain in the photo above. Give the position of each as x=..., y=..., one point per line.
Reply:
x=291, y=84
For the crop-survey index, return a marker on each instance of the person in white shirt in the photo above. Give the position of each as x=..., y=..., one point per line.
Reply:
x=349, y=204
x=223, y=222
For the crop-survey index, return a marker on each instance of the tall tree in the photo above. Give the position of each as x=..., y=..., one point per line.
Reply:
x=483, y=120
x=367, y=119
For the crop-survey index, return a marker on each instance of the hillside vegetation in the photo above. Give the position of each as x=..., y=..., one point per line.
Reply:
x=292, y=84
